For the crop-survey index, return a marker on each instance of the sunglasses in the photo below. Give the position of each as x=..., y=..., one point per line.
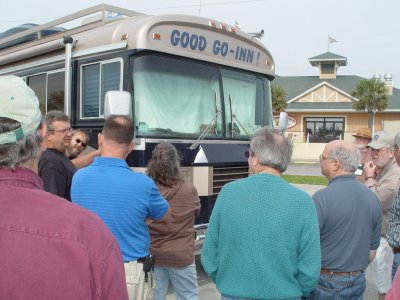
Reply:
x=78, y=141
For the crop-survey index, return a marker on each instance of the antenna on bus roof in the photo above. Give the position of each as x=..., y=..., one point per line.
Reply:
x=258, y=35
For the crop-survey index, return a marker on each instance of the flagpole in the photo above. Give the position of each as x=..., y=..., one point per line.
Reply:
x=328, y=42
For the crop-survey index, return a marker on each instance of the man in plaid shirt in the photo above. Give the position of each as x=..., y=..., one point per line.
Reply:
x=393, y=230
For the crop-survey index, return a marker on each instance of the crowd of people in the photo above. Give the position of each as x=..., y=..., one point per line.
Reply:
x=78, y=225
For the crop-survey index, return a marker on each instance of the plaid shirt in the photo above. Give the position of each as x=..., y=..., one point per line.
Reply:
x=393, y=230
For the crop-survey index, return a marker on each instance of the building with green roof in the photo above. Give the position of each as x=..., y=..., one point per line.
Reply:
x=320, y=107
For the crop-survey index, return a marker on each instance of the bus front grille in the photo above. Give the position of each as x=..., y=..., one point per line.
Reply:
x=223, y=175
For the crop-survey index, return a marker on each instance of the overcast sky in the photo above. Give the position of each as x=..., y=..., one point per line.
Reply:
x=368, y=32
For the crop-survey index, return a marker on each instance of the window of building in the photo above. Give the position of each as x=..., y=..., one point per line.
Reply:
x=97, y=80
x=324, y=129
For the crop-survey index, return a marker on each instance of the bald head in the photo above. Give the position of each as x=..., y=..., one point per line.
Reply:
x=119, y=129
x=345, y=153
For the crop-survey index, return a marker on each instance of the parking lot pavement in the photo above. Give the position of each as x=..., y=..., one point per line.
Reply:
x=301, y=168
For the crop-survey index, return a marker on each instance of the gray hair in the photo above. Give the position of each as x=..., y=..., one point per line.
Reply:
x=348, y=158
x=53, y=116
x=271, y=149
x=16, y=154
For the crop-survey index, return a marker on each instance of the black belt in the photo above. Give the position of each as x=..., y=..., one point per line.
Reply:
x=328, y=272
x=139, y=260
x=396, y=250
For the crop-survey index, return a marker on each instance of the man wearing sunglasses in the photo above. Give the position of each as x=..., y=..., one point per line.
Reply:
x=79, y=142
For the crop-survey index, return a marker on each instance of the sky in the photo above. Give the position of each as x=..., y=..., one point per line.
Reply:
x=367, y=32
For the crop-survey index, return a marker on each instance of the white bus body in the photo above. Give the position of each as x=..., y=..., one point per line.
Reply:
x=201, y=84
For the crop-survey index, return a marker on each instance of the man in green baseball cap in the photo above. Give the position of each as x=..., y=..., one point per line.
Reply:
x=14, y=106
x=50, y=248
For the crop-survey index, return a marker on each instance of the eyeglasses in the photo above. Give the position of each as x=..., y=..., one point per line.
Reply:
x=63, y=131
x=322, y=157
x=78, y=141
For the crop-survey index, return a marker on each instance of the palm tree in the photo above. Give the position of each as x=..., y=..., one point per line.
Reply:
x=278, y=95
x=372, y=96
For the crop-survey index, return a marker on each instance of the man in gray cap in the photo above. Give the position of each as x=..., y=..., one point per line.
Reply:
x=50, y=249
x=382, y=176
x=393, y=230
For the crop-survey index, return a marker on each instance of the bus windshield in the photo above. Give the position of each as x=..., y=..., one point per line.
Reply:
x=182, y=99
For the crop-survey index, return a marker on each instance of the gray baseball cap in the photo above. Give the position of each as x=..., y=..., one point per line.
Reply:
x=381, y=139
x=18, y=102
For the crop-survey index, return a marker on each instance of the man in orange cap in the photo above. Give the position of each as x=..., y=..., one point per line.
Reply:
x=363, y=138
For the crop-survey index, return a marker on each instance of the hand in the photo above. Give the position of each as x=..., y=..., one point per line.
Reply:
x=369, y=170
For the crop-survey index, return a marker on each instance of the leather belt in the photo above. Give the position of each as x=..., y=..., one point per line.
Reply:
x=396, y=250
x=139, y=260
x=328, y=272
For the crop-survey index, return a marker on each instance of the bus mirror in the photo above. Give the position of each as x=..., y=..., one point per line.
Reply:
x=117, y=103
x=283, y=121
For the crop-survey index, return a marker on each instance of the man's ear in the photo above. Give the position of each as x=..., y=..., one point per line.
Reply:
x=131, y=146
x=336, y=165
x=253, y=161
x=43, y=134
x=43, y=130
x=100, y=139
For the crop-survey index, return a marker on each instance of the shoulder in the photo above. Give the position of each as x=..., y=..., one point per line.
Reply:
x=394, y=170
x=188, y=186
x=142, y=178
x=77, y=222
x=323, y=195
x=52, y=158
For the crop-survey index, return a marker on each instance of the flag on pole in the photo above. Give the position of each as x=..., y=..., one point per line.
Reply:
x=332, y=40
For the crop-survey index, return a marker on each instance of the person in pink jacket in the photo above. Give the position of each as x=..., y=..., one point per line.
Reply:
x=394, y=292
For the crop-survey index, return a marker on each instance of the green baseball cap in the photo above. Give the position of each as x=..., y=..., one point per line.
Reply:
x=18, y=102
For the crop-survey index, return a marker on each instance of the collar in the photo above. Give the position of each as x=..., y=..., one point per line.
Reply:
x=109, y=161
x=21, y=177
x=54, y=150
x=343, y=177
x=386, y=168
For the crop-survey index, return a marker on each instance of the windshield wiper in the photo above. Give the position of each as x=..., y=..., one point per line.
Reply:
x=210, y=125
x=233, y=117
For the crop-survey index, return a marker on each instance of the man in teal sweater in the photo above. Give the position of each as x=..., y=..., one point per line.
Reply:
x=263, y=237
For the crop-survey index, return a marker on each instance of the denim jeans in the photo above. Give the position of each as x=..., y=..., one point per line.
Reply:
x=184, y=282
x=339, y=287
x=396, y=263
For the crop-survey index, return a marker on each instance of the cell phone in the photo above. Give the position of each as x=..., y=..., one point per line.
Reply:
x=359, y=170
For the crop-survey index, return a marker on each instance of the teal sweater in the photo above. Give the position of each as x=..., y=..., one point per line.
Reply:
x=263, y=240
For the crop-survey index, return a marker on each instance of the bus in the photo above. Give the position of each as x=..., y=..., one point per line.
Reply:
x=198, y=83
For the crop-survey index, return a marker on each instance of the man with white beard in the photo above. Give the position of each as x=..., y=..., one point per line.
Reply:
x=382, y=176
x=362, y=138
